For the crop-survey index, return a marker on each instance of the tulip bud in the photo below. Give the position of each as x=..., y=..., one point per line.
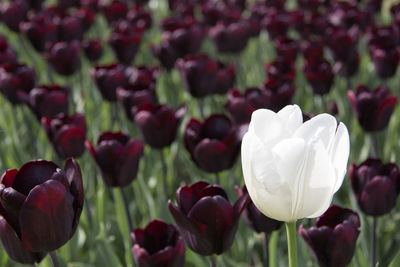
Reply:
x=230, y=36
x=117, y=157
x=12, y=13
x=66, y=134
x=93, y=49
x=332, y=241
x=159, y=244
x=319, y=74
x=213, y=144
x=205, y=218
x=140, y=18
x=40, y=207
x=373, y=108
x=114, y=11
x=281, y=70
x=376, y=186
x=283, y=160
x=7, y=54
x=276, y=22
x=64, y=58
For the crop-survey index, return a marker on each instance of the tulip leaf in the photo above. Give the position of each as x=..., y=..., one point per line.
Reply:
x=396, y=260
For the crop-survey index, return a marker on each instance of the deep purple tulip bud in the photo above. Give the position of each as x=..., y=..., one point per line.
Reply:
x=70, y=28
x=281, y=69
x=12, y=13
x=114, y=11
x=158, y=245
x=319, y=75
x=279, y=92
x=230, y=36
x=286, y=48
x=65, y=4
x=140, y=18
x=213, y=144
x=205, y=218
x=91, y=4
x=86, y=16
x=342, y=44
x=332, y=241
x=376, y=186
x=125, y=41
x=255, y=219
x=276, y=22
x=108, y=78
x=213, y=12
x=40, y=30
x=204, y=76
x=348, y=15
x=93, y=49
x=40, y=207
x=158, y=124
x=15, y=78
x=117, y=157
x=313, y=49
x=309, y=25
x=47, y=101
x=64, y=58
x=67, y=134
x=373, y=108
x=7, y=54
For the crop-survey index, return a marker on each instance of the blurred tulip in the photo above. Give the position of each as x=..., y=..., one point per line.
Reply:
x=158, y=245
x=15, y=78
x=69, y=28
x=117, y=157
x=373, y=108
x=213, y=144
x=66, y=133
x=286, y=48
x=12, y=13
x=319, y=75
x=205, y=218
x=7, y=54
x=376, y=186
x=139, y=17
x=276, y=22
x=40, y=208
x=280, y=93
x=64, y=58
x=332, y=241
x=93, y=49
x=230, y=36
x=114, y=11
x=158, y=124
x=283, y=163
x=281, y=70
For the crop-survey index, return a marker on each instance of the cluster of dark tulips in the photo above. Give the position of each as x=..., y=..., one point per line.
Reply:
x=41, y=204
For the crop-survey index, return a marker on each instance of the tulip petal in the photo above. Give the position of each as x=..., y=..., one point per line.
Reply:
x=47, y=216
x=266, y=125
x=129, y=162
x=292, y=117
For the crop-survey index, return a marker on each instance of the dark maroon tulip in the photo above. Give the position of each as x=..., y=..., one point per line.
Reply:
x=313, y=49
x=204, y=76
x=93, y=49
x=309, y=25
x=40, y=30
x=311, y=5
x=348, y=15
x=65, y=4
x=15, y=78
x=47, y=101
x=373, y=108
x=117, y=156
x=286, y=48
x=158, y=124
x=140, y=18
x=255, y=219
x=276, y=22
x=91, y=4
x=281, y=69
x=319, y=75
x=230, y=36
x=342, y=44
x=86, y=16
x=332, y=241
x=213, y=12
x=35, y=4
x=67, y=134
x=213, y=144
x=40, y=207
x=140, y=90
x=280, y=93
x=158, y=245
x=205, y=218
x=12, y=13
x=180, y=37
x=7, y=54
x=114, y=11
x=70, y=28
x=64, y=58
x=376, y=186
x=108, y=78
x=125, y=41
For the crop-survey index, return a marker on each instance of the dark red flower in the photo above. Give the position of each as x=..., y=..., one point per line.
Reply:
x=286, y=48
x=117, y=156
x=67, y=134
x=280, y=93
x=319, y=75
x=213, y=144
x=332, y=241
x=205, y=218
x=158, y=124
x=376, y=186
x=158, y=245
x=7, y=54
x=15, y=78
x=276, y=22
x=93, y=49
x=140, y=18
x=64, y=58
x=204, y=76
x=114, y=11
x=70, y=28
x=40, y=207
x=12, y=13
x=281, y=69
x=373, y=108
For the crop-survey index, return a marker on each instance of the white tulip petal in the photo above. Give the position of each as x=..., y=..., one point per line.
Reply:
x=266, y=124
x=339, y=151
x=322, y=127
x=292, y=117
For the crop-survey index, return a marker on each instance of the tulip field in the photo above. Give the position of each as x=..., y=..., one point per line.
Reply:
x=129, y=127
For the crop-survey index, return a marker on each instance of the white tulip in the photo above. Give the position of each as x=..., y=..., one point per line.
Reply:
x=292, y=169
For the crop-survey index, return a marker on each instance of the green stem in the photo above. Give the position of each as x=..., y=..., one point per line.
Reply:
x=54, y=259
x=373, y=242
x=164, y=170
x=273, y=244
x=213, y=262
x=292, y=245
x=126, y=206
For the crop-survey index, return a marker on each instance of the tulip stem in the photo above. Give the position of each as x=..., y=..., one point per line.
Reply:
x=265, y=249
x=54, y=259
x=373, y=241
x=201, y=108
x=216, y=178
x=126, y=206
x=292, y=245
x=164, y=170
x=374, y=141
x=213, y=262
x=273, y=244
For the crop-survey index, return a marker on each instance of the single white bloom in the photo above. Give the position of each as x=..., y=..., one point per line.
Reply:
x=292, y=169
